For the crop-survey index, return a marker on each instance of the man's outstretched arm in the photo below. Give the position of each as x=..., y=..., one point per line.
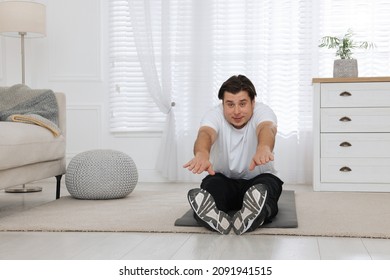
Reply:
x=266, y=134
x=201, y=161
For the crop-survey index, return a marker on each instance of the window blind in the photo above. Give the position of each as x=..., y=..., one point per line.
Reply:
x=199, y=44
x=208, y=41
x=131, y=106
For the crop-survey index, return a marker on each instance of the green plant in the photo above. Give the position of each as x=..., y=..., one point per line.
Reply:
x=344, y=44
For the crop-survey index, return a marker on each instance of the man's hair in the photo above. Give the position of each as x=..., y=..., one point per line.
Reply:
x=235, y=84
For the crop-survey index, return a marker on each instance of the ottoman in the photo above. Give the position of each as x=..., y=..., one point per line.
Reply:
x=101, y=174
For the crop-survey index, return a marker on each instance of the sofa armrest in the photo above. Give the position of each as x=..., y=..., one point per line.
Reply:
x=61, y=100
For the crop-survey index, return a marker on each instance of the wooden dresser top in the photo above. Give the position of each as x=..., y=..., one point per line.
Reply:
x=351, y=80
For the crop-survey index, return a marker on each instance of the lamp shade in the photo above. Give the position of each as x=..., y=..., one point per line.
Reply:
x=22, y=16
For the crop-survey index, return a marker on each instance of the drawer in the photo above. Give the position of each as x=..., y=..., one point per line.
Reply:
x=355, y=170
x=355, y=120
x=355, y=145
x=355, y=95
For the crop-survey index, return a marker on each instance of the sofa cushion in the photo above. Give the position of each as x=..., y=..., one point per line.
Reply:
x=23, y=144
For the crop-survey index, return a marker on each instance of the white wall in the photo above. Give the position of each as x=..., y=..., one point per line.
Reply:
x=73, y=58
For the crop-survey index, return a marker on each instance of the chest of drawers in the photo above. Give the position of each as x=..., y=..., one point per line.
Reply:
x=351, y=134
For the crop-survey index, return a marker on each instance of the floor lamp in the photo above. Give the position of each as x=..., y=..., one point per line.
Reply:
x=22, y=19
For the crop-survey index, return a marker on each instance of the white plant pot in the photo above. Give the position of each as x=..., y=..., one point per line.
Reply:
x=345, y=68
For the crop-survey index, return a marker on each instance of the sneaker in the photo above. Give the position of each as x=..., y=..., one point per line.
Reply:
x=205, y=208
x=252, y=209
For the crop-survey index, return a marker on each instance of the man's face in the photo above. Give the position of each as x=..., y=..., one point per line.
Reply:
x=238, y=108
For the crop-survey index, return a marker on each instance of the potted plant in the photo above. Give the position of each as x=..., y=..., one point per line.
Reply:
x=346, y=66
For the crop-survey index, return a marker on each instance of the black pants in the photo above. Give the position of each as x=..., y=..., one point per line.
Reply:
x=229, y=193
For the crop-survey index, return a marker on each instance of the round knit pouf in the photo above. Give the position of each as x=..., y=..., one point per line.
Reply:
x=101, y=174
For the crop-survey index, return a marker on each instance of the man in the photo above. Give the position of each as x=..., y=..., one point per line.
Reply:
x=235, y=146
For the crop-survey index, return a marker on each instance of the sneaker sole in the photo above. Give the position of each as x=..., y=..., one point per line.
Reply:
x=252, y=207
x=203, y=204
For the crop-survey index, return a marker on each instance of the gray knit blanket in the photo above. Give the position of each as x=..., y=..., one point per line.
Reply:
x=19, y=103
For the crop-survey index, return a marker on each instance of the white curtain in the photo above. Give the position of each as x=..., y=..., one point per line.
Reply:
x=188, y=48
x=159, y=88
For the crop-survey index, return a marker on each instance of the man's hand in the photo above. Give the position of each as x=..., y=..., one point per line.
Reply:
x=202, y=147
x=263, y=155
x=199, y=164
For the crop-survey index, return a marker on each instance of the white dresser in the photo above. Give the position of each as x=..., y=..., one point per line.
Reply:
x=351, y=134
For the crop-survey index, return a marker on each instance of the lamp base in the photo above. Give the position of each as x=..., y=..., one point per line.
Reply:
x=23, y=189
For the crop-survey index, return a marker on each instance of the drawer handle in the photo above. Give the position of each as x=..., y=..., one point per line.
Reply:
x=345, y=169
x=345, y=93
x=345, y=144
x=345, y=119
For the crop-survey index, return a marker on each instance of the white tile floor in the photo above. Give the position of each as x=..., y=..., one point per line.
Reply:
x=153, y=246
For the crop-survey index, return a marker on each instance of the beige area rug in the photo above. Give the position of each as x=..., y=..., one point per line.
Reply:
x=342, y=214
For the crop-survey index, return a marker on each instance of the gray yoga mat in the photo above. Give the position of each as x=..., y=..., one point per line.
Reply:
x=286, y=217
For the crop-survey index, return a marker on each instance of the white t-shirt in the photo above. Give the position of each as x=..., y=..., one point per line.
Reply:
x=234, y=148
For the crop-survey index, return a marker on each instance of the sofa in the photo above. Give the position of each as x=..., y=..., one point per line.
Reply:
x=30, y=152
